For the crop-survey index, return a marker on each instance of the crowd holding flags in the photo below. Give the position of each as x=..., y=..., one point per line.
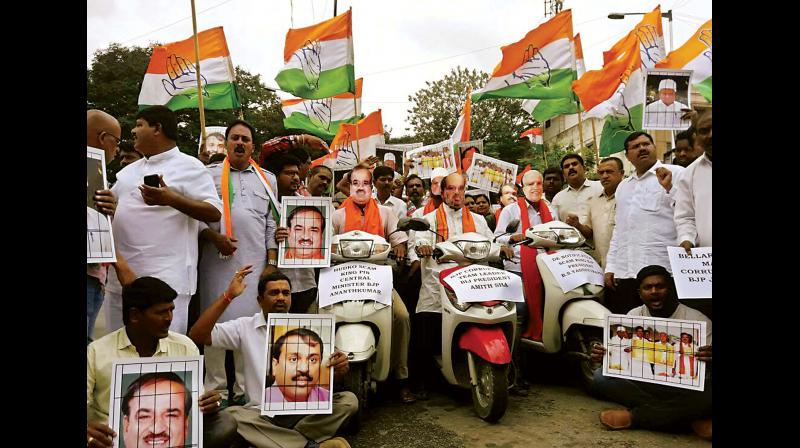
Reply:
x=545, y=68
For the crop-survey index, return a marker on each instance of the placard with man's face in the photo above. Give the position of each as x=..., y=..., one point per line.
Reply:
x=308, y=222
x=154, y=402
x=655, y=350
x=667, y=97
x=298, y=379
x=99, y=238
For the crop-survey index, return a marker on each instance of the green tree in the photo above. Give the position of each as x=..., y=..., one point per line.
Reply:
x=436, y=109
x=115, y=79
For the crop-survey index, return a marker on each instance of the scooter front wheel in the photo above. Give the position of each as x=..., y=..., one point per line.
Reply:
x=490, y=396
x=357, y=382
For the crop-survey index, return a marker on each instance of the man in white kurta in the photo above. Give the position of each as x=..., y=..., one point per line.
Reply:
x=156, y=228
x=693, y=198
x=619, y=352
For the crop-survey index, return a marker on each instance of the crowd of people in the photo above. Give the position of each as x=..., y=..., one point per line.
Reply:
x=197, y=235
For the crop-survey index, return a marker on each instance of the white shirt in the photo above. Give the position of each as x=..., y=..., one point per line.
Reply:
x=644, y=223
x=601, y=220
x=659, y=115
x=161, y=241
x=399, y=208
x=510, y=213
x=682, y=312
x=576, y=200
x=693, y=203
x=98, y=234
x=247, y=336
x=429, y=301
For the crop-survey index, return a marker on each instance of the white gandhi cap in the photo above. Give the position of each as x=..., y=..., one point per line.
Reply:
x=667, y=84
x=389, y=156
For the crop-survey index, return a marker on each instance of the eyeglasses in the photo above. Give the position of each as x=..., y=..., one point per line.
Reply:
x=117, y=140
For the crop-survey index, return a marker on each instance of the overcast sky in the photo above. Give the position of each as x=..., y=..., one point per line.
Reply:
x=398, y=44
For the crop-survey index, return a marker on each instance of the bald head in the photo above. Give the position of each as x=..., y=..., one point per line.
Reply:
x=453, y=190
x=532, y=186
x=103, y=132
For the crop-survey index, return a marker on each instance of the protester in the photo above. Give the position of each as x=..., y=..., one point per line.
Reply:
x=508, y=195
x=128, y=154
x=250, y=240
x=553, y=182
x=600, y=219
x=693, y=203
x=644, y=225
x=147, y=304
x=572, y=203
x=685, y=150
x=102, y=132
x=384, y=181
x=156, y=228
x=655, y=406
x=415, y=189
x=247, y=336
x=362, y=212
x=287, y=170
x=319, y=179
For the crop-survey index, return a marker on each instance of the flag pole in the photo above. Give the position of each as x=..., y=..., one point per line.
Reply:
x=355, y=103
x=594, y=140
x=544, y=151
x=580, y=128
x=199, y=83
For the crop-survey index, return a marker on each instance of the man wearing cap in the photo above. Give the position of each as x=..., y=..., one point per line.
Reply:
x=619, y=351
x=666, y=112
x=655, y=406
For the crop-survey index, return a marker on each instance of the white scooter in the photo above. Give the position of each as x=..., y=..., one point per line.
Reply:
x=477, y=337
x=573, y=320
x=363, y=326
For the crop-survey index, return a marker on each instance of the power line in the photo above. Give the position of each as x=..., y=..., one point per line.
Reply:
x=175, y=22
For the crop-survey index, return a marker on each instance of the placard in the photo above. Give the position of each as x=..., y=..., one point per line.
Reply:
x=479, y=283
x=163, y=389
x=428, y=158
x=654, y=350
x=692, y=273
x=99, y=237
x=491, y=174
x=667, y=95
x=309, y=224
x=573, y=268
x=298, y=380
x=355, y=280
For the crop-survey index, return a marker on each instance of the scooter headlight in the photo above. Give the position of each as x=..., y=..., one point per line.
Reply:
x=454, y=301
x=353, y=248
x=547, y=235
x=568, y=236
x=474, y=250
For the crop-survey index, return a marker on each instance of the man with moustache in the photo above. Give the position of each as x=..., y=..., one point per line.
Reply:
x=319, y=178
x=602, y=208
x=449, y=219
x=155, y=228
x=644, y=222
x=244, y=236
x=415, y=189
x=147, y=304
x=306, y=234
x=572, y=203
x=247, y=336
x=508, y=196
x=296, y=373
x=287, y=170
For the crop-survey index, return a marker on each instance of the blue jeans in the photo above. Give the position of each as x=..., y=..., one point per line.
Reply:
x=94, y=300
x=654, y=406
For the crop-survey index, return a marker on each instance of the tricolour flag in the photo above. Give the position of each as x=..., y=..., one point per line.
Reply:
x=695, y=55
x=171, y=77
x=462, y=130
x=534, y=135
x=543, y=110
x=322, y=117
x=519, y=176
x=651, y=40
x=319, y=59
x=615, y=92
x=538, y=66
x=353, y=140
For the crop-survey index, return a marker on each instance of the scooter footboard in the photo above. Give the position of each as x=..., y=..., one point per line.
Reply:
x=359, y=339
x=488, y=342
x=583, y=313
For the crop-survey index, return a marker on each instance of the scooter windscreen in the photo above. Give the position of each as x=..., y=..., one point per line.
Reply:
x=554, y=234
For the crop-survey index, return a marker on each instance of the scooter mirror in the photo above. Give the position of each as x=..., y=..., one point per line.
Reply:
x=415, y=224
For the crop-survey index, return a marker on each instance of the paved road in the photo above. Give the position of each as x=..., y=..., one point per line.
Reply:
x=557, y=413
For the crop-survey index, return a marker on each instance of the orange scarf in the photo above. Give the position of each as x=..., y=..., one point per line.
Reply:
x=367, y=219
x=467, y=223
x=429, y=206
x=227, y=194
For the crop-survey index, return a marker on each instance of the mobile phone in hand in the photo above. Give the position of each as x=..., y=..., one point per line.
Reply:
x=152, y=180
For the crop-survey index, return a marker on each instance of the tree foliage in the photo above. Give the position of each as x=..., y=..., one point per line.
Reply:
x=436, y=109
x=115, y=79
